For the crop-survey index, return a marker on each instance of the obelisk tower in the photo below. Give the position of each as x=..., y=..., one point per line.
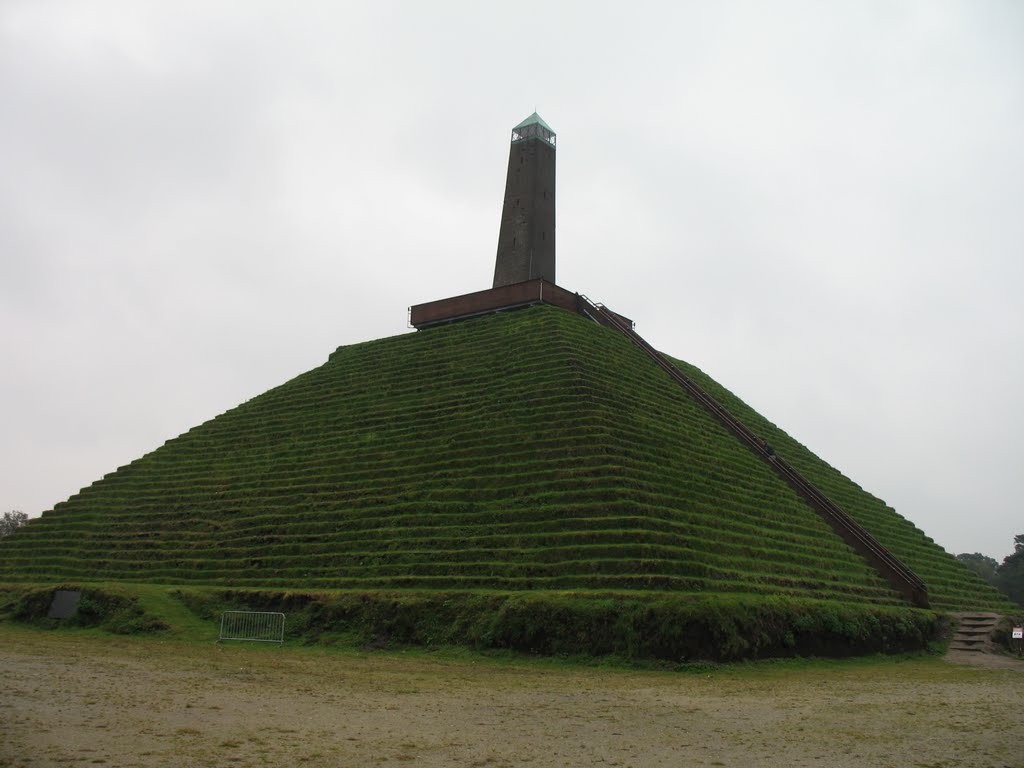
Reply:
x=526, y=239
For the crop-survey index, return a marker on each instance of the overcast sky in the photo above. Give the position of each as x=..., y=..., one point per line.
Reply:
x=819, y=204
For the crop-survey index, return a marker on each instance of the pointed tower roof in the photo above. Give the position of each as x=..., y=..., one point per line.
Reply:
x=534, y=118
x=534, y=127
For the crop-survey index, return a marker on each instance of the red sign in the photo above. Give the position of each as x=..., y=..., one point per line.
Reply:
x=1018, y=633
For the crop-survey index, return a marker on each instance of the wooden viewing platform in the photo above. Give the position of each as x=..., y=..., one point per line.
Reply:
x=525, y=294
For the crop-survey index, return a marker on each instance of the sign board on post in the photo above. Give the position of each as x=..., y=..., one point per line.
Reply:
x=1018, y=633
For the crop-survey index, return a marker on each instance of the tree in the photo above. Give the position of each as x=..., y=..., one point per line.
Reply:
x=983, y=565
x=11, y=521
x=1010, y=576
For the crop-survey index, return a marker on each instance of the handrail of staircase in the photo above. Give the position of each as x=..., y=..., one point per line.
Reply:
x=888, y=565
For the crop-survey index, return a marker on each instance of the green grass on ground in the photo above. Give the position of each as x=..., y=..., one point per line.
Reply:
x=637, y=627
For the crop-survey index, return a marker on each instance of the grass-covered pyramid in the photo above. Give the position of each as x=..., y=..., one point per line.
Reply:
x=527, y=450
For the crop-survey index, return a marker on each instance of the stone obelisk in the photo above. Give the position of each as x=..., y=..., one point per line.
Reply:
x=526, y=239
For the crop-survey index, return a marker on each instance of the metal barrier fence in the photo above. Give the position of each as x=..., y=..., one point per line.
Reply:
x=259, y=626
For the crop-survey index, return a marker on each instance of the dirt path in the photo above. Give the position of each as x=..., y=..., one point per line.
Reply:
x=68, y=700
x=984, y=660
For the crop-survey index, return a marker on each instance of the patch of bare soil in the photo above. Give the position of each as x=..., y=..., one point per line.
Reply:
x=984, y=660
x=74, y=701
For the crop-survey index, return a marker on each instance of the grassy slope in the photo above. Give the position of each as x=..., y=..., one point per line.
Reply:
x=529, y=450
x=950, y=584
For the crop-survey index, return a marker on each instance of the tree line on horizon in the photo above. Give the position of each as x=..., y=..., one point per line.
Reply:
x=11, y=521
x=1008, y=576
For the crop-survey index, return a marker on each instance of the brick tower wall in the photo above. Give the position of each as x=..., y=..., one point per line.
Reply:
x=526, y=239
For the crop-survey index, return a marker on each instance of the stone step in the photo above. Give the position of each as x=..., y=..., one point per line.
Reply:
x=973, y=632
x=968, y=648
x=968, y=641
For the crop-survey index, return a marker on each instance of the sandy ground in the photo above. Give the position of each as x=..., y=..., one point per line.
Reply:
x=69, y=700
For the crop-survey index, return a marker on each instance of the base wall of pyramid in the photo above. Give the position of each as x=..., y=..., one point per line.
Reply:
x=633, y=626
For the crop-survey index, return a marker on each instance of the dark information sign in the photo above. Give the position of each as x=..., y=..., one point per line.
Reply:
x=65, y=604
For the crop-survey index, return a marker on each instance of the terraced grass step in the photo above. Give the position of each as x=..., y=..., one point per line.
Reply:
x=514, y=451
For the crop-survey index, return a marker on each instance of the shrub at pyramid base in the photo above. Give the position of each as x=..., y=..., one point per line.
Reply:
x=527, y=450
